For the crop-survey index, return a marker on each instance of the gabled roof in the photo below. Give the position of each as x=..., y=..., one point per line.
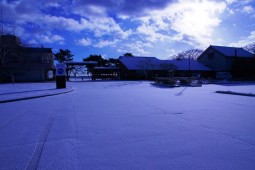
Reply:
x=140, y=63
x=152, y=63
x=232, y=51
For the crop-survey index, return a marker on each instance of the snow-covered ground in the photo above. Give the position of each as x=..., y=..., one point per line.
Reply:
x=129, y=125
x=21, y=91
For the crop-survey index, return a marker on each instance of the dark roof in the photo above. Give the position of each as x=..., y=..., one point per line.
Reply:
x=37, y=50
x=186, y=64
x=81, y=63
x=106, y=68
x=232, y=51
x=152, y=63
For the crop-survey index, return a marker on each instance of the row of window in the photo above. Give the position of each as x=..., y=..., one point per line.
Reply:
x=31, y=59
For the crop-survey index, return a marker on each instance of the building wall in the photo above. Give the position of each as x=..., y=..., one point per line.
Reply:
x=24, y=63
x=215, y=60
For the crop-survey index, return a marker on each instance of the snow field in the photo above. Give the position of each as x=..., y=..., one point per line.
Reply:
x=130, y=125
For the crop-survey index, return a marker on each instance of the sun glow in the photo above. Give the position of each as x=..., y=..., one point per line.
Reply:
x=196, y=20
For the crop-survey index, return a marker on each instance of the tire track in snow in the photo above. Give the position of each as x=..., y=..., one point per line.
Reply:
x=3, y=125
x=75, y=129
x=35, y=159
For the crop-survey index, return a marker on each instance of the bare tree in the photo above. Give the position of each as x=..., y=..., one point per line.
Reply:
x=7, y=49
x=189, y=54
x=250, y=47
x=4, y=53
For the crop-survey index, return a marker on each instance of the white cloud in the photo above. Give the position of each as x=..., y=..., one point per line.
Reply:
x=135, y=47
x=84, y=42
x=171, y=53
x=244, y=6
x=57, y=38
x=247, y=9
x=49, y=38
x=151, y=33
x=53, y=4
x=64, y=23
x=193, y=22
x=32, y=42
x=196, y=19
x=231, y=1
x=244, y=40
x=105, y=43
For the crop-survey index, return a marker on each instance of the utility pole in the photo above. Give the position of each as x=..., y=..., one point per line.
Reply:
x=189, y=67
x=2, y=23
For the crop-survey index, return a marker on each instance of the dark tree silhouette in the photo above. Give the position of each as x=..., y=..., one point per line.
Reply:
x=98, y=58
x=113, y=62
x=4, y=53
x=189, y=54
x=250, y=47
x=128, y=54
x=63, y=55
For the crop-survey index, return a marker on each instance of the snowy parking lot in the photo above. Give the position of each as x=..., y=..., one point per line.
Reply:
x=128, y=125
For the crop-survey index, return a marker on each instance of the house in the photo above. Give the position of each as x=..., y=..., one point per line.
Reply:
x=235, y=61
x=21, y=63
x=133, y=67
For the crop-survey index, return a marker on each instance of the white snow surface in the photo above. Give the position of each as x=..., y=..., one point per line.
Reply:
x=129, y=125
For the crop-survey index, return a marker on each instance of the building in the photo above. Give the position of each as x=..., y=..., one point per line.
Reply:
x=19, y=63
x=190, y=68
x=235, y=61
x=136, y=68
x=133, y=67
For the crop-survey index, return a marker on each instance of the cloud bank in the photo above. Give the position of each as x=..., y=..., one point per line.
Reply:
x=137, y=26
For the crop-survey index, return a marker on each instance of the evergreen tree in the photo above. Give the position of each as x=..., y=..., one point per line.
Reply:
x=63, y=55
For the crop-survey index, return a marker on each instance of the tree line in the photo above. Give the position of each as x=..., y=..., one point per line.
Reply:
x=66, y=55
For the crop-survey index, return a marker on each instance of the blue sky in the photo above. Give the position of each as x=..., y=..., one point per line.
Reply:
x=159, y=28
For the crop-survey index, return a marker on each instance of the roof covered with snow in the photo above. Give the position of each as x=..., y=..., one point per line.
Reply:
x=186, y=64
x=152, y=63
x=140, y=63
x=232, y=51
x=81, y=63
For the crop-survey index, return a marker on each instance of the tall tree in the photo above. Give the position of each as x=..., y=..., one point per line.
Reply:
x=63, y=55
x=189, y=54
x=98, y=58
